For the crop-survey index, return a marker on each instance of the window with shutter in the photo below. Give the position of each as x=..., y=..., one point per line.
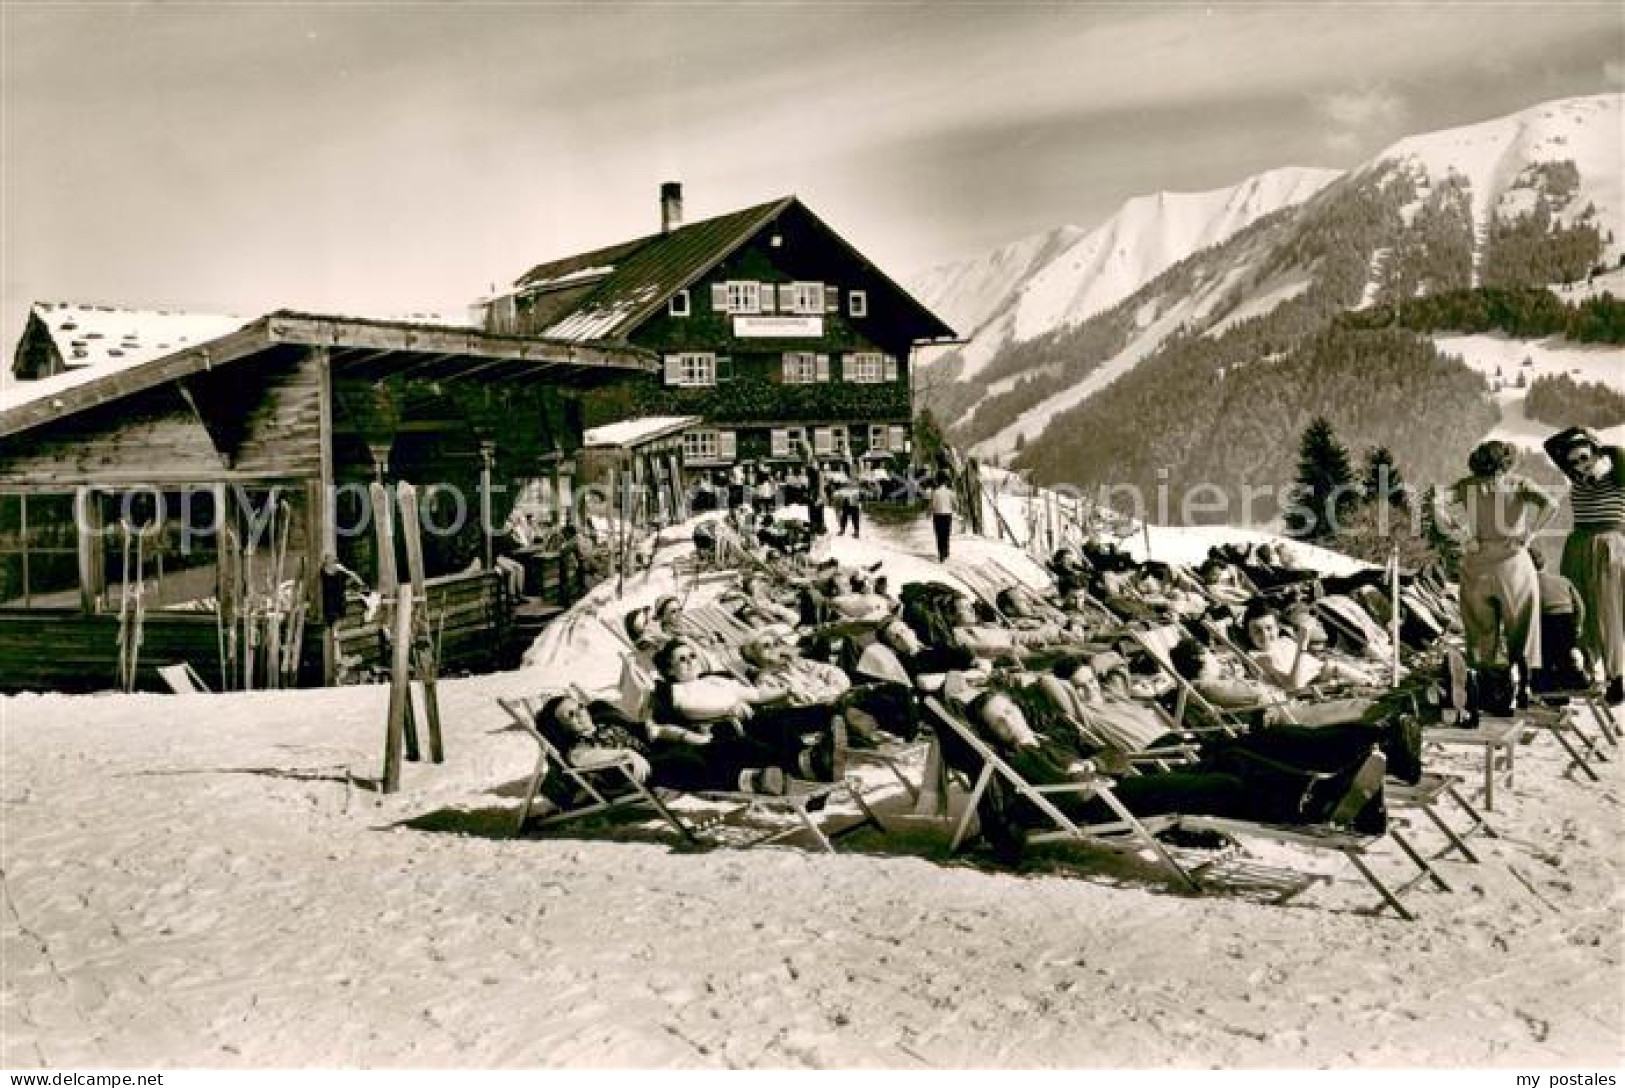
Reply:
x=744, y=297
x=691, y=368
x=863, y=367
x=821, y=367
x=766, y=294
x=822, y=442
x=832, y=298
x=877, y=438
x=888, y=368
x=787, y=299
x=800, y=368
x=897, y=439
x=699, y=446
x=838, y=440
x=808, y=298
x=727, y=445
x=857, y=303
x=779, y=442
x=719, y=298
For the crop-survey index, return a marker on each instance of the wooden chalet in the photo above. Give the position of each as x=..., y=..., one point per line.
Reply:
x=769, y=326
x=162, y=467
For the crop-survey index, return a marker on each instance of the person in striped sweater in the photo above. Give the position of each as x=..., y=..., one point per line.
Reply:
x=1594, y=555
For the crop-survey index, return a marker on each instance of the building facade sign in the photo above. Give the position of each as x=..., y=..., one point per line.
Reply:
x=779, y=326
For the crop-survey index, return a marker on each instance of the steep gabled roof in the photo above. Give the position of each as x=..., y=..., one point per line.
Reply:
x=607, y=293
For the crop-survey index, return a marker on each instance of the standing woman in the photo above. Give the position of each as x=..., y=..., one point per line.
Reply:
x=943, y=508
x=1594, y=556
x=1500, y=589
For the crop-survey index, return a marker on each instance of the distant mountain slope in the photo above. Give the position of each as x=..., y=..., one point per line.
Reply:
x=1165, y=379
x=1065, y=276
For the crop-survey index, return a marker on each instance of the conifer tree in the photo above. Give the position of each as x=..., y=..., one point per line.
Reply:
x=1382, y=481
x=1325, y=481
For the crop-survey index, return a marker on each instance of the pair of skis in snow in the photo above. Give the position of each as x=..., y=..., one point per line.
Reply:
x=413, y=651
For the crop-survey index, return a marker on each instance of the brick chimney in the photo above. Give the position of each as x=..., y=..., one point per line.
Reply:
x=671, y=206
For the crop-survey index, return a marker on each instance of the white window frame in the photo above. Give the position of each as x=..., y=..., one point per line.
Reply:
x=864, y=368
x=680, y=305
x=877, y=438
x=857, y=303
x=800, y=368
x=706, y=446
x=803, y=368
x=806, y=297
x=691, y=369
x=744, y=296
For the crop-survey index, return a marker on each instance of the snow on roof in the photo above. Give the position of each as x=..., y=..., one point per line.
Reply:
x=580, y=275
x=92, y=336
x=631, y=432
x=98, y=340
x=596, y=321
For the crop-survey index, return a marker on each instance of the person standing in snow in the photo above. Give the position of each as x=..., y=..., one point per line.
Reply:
x=1594, y=554
x=944, y=505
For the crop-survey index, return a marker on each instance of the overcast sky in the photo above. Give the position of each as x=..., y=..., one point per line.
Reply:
x=393, y=157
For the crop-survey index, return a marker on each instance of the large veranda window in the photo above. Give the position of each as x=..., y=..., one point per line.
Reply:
x=167, y=542
x=39, y=551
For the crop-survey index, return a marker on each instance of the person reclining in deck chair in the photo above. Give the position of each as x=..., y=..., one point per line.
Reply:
x=1223, y=582
x=1360, y=647
x=943, y=616
x=1025, y=610
x=592, y=734
x=1288, y=662
x=1384, y=721
x=809, y=741
x=852, y=596
x=756, y=602
x=1337, y=779
x=782, y=675
x=1071, y=570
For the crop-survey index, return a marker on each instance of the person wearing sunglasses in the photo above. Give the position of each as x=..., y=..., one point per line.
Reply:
x=1594, y=554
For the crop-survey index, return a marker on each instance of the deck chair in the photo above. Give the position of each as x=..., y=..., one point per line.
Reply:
x=1158, y=643
x=1352, y=845
x=611, y=786
x=183, y=679
x=1126, y=832
x=1562, y=723
x=603, y=788
x=721, y=633
x=1424, y=795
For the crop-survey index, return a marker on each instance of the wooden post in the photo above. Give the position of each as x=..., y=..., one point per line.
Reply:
x=1393, y=617
x=487, y=451
x=400, y=690
x=423, y=650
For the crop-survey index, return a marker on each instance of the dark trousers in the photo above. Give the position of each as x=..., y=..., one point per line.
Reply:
x=944, y=526
x=850, y=513
x=815, y=517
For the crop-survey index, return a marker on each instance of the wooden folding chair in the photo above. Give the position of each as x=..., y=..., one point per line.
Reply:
x=1497, y=738
x=1126, y=832
x=618, y=787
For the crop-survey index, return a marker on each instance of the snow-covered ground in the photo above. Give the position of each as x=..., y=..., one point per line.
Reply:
x=211, y=881
x=1500, y=358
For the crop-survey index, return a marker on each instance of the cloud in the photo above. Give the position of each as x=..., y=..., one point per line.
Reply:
x=1354, y=119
